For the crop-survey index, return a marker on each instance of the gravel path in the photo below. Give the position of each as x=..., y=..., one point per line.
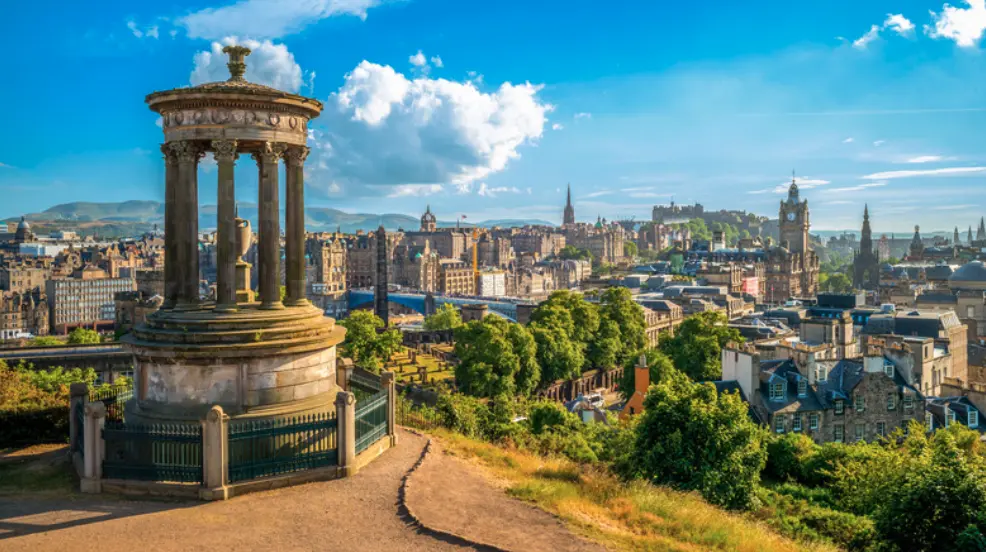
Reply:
x=358, y=513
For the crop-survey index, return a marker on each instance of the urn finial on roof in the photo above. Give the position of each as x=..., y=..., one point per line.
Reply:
x=237, y=61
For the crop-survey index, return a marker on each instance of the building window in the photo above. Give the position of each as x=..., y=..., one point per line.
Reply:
x=973, y=418
x=821, y=374
x=802, y=388
x=777, y=391
x=970, y=311
x=889, y=370
x=779, y=424
x=881, y=429
x=908, y=402
x=839, y=406
x=839, y=433
x=813, y=421
x=797, y=422
x=860, y=403
x=891, y=401
x=950, y=418
x=860, y=431
x=930, y=420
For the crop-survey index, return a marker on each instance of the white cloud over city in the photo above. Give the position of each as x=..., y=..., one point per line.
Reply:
x=269, y=64
x=260, y=19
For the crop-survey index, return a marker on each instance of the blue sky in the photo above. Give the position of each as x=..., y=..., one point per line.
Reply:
x=633, y=103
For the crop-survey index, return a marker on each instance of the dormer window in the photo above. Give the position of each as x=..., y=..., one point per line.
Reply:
x=930, y=420
x=950, y=418
x=802, y=388
x=973, y=418
x=889, y=370
x=777, y=391
x=839, y=406
x=821, y=374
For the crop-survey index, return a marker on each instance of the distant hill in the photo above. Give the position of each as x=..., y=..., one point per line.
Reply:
x=140, y=216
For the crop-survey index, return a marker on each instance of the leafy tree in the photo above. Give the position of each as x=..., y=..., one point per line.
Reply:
x=836, y=282
x=605, y=350
x=45, y=341
x=630, y=249
x=367, y=342
x=496, y=357
x=617, y=305
x=570, y=252
x=697, y=345
x=83, y=336
x=584, y=315
x=446, y=317
x=693, y=438
x=658, y=364
x=559, y=357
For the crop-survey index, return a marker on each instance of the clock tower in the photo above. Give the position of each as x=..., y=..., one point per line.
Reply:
x=794, y=222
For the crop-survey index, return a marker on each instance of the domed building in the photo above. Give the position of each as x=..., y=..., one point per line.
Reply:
x=970, y=276
x=23, y=233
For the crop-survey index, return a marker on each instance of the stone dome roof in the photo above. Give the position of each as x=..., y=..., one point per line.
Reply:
x=23, y=224
x=969, y=276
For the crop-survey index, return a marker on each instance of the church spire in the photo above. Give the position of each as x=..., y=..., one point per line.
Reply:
x=568, y=217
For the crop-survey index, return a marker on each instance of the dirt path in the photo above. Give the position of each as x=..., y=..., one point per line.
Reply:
x=359, y=513
x=449, y=495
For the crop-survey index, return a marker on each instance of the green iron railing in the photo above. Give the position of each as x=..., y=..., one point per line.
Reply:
x=273, y=447
x=113, y=398
x=165, y=452
x=371, y=420
x=364, y=387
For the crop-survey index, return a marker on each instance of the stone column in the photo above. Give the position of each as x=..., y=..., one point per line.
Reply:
x=215, y=455
x=186, y=224
x=225, y=153
x=390, y=384
x=346, y=432
x=170, y=233
x=295, y=223
x=78, y=399
x=269, y=247
x=91, y=481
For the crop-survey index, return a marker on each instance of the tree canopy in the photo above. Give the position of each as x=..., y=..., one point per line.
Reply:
x=696, y=346
x=83, y=336
x=659, y=365
x=446, y=317
x=693, y=438
x=570, y=252
x=496, y=357
x=367, y=342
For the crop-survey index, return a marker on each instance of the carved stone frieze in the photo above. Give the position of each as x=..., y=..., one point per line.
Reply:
x=237, y=117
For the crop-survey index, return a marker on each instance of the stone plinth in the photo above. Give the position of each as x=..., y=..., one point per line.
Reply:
x=253, y=363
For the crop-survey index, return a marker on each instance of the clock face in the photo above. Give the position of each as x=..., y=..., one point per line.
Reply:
x=790, y=216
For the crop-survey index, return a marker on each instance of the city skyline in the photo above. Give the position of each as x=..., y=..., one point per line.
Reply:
x=867, y=105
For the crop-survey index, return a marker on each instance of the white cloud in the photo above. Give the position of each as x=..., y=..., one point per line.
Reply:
x=598, y=194
x=383, y=128
x=895, y=22
x=949, y=171
x=530, y=191
x=867, y=37
x=848, y=140
x=782, y=188
x=437, y=61
x=879, y=143
x=645, y=195
x=925, y=159
x=5, y=166
x=583, y=115
x=487, y=191
x=963, y=25
x=858, y=188
x=463, y=187
x=148, y=32
x=898, y=24
x=152, y=31
x=268, y=18
x=557, y=126
x=414, y=190
x=159, y=122
x=418, y=59
x=955, y=207
x=270, y=64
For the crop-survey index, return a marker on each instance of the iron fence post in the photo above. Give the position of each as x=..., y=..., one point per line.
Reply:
x=215, y=455
x=389, y=383
x=91, y=481
x=346, y=432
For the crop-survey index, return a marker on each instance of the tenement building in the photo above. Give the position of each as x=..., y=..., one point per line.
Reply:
x=828, y=400
x=23, y=314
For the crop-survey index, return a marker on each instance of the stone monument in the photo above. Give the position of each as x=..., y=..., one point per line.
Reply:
x=257, y=359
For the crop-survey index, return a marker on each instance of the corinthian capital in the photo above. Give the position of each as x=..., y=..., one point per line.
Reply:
x=224, y=150
x=270, y=152
x=296, y=155
x=169, y=154
x=186, y=151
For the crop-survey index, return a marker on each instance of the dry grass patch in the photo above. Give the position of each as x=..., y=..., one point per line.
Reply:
x=620, y=516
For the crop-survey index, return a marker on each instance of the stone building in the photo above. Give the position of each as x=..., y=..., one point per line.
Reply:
x=495, y=250
x=671, y=214
x=792, y=269
x=543, y=242
x=23, y=313
x=85, y=300
x=455, y=277
x=328, y=257
x=603, y=240
x=23, y=275
x=828, y=400
x=416, y=267
x=661, y=317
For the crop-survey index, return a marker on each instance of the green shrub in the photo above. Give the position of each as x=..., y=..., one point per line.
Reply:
x=787, y=455
x=804, y=521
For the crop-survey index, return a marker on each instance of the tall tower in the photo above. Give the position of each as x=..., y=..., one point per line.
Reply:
x=917, y=246
x=981, y=232
x=866, y=264
x=380, y=300
x=955, y=236
x=428, y=222
x=569, y=216
x=794, y=221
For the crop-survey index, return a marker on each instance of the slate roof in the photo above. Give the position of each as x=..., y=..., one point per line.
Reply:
x=939, y=406
x=786, y=370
